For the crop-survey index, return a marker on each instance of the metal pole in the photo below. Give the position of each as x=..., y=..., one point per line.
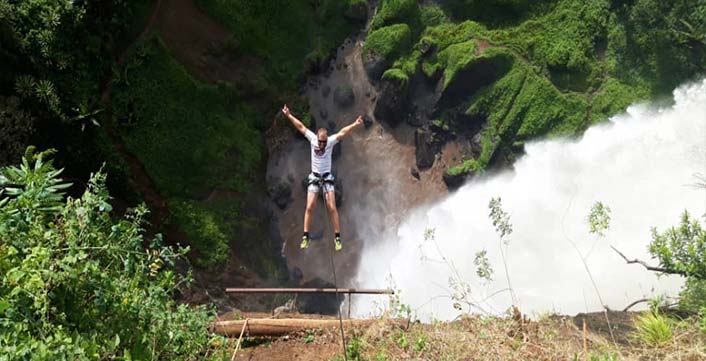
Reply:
x=311, y=290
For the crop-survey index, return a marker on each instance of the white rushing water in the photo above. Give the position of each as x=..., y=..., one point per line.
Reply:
x=641, y=164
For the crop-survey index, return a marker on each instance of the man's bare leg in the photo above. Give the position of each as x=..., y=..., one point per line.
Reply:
x=333, y=214
x=310, y=203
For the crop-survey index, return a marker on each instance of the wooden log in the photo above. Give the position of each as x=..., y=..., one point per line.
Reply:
x=278, y=327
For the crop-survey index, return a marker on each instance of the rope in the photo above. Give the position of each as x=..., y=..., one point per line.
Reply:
x=237, y=346
x=340, y=319
x=335, y=285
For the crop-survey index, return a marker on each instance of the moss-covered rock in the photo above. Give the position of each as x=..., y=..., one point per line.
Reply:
x=384, y=45
x=397, y=12
x=393, y=98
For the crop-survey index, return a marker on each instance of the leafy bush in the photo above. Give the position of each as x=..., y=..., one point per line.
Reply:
x=203, y=231
x=77, y=284
x=389, y=42
x=653, y=328
x=397, y=12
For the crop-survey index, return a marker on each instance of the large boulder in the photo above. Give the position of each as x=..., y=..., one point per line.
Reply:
x=324, y=304
x=426, y=147
x=280, y=193
x=456, y=180
x=374, y=65
x=343, y=96
x=393, y=99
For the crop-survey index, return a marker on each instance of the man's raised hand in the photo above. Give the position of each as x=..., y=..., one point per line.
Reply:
x=359, y=120
x=285, y=110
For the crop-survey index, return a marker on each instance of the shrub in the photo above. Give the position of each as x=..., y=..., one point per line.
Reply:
x=396, y=12
x=653, y=328
x=205, y=236
x=78, y=284
x=389, y=42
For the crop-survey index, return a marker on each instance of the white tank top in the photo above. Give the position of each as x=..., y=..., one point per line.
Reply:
x=321, y=159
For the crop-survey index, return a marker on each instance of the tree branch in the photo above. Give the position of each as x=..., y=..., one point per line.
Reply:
x=648, y=267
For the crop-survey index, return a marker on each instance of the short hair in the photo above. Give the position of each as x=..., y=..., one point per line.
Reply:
x=322, y=130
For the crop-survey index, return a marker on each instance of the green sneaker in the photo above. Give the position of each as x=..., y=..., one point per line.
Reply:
x=305, y=242
x=337, y=243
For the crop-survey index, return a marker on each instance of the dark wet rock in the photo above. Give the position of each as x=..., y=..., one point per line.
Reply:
x=414, y=172
x=358, y=11
x=426, y=147
x=427, y=48
x=325, y=91
x=476, y=145
x=336, y=151
x=324, y=304
x=331, y=127
x=367, y=121
x=455, y=181
x=323, y=113
x=467, y=81
x=295, y=276
x=392, y=103
x=343, y=96
x=281, y=194
x=374, y=65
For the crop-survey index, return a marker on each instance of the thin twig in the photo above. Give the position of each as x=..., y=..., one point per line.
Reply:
x=647, y=266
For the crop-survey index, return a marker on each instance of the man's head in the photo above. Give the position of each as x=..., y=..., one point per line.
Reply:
x=322, y=135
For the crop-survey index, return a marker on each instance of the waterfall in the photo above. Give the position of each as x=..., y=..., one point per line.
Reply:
x=641, y=164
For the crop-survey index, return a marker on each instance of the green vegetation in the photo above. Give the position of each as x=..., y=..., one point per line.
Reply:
x=78, y=284
x=653, y=328
x=389, y=42
x=574, y=63
x=397, y=12
x=283, y=33
x=192, y=138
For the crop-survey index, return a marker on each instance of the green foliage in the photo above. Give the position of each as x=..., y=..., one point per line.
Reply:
x=599, y=219
x=192, y=138
x=483, y=268
x=397, y=12
x=59, y=48
x=77, y=284
x=17, y=128
x=653, y=328
x=396, y=76
x=189, y=135
x=202, y=228
x=500, y=219
x=283, y=33
x=389, y=42
x=681, y=249
x=353, y=349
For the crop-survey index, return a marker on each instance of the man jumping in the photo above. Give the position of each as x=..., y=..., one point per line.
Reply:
x=320, y=178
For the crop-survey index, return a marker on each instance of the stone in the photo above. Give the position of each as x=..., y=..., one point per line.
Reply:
x=453, y=182
x=281, y=194
x=426, y=148
x=374, y=65
x=367, y=121
x=325, y=91
x=323, y=113
x=415, y=173
x=392, y=103
x=343, y=96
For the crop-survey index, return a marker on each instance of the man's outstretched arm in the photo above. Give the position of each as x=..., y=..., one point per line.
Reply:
x=296, y=122
x=347, y=129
